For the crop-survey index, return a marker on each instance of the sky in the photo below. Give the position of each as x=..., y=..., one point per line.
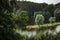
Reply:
x=45, y=1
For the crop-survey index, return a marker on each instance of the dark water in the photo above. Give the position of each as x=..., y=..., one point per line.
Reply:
x=34, y=32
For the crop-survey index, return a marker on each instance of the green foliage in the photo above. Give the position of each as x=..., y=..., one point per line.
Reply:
x=6, y=23
x=34, y=7
x=57, y=5
x=10, y=15
x=20, y=18
x=52, y=19
x=46, y=15
x=57, y=14
x=23, y=18
x=39, y=19
x=8, y=34
x=50, y=8
x=36, y=13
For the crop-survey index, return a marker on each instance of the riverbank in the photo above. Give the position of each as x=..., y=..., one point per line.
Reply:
x=44, y=26
x=35, y=32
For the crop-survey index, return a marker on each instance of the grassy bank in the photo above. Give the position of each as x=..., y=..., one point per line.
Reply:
x=49, y=25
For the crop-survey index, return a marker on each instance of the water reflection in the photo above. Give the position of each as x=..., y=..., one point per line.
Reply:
x=54, y=32
x=34, y=32
x=57, y=29
x=28, y=33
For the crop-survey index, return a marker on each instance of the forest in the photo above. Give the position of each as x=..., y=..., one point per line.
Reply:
x=29, y=16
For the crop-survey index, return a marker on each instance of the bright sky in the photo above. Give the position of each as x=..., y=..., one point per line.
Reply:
x=46, y=1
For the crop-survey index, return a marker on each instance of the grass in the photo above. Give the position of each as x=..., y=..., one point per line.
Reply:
x=44, y=25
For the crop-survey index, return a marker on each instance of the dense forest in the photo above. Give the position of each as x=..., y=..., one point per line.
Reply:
x=46, y=9
x=20, y=14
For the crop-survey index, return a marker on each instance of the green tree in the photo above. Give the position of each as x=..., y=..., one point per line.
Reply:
x=6, y=23
x=57, y=5
x=52, y=19
x=36, y=13
x=20, y=18
x=50, y=8
x=57, y=14
x=46, y=15
x=39, y=19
